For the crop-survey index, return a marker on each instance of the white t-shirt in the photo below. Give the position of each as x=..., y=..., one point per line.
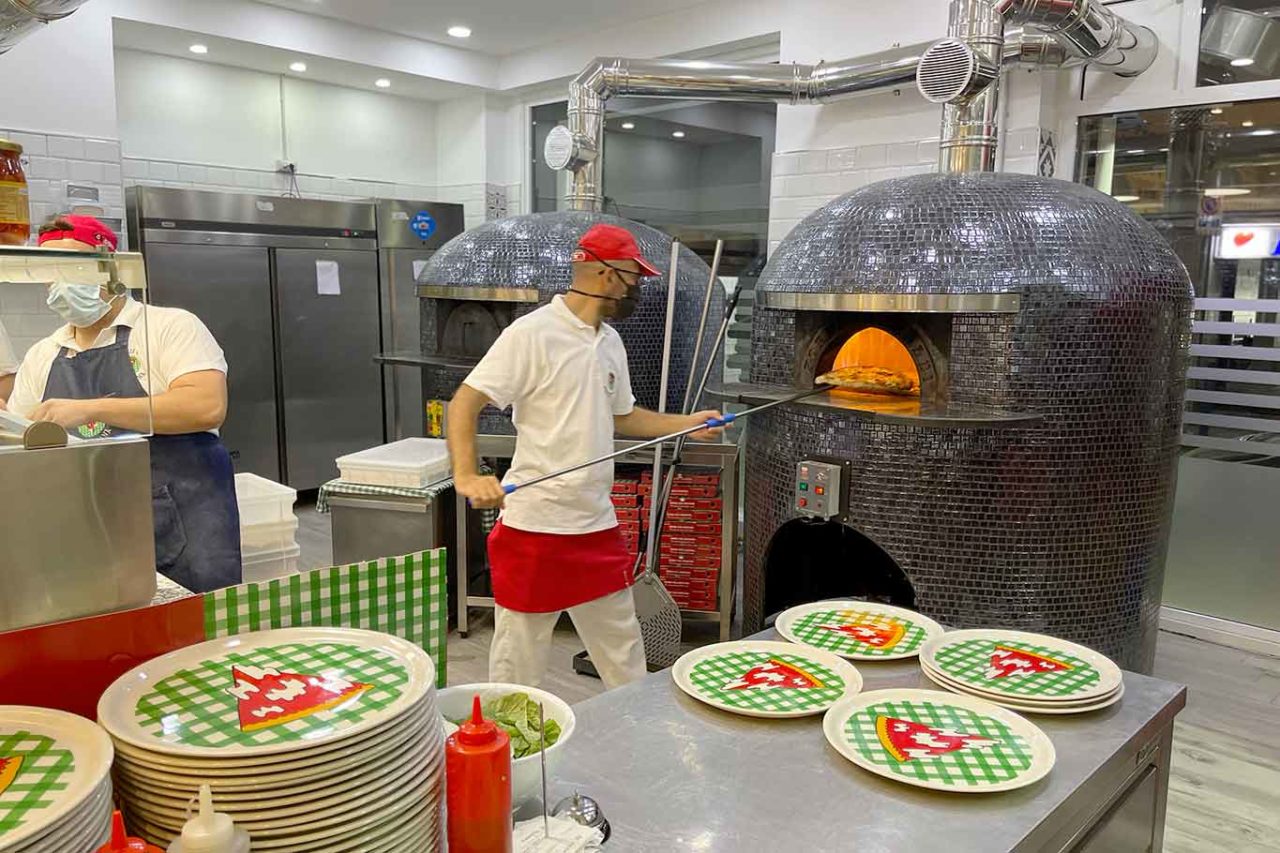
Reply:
x=180, y=344
x=565, y=381
x=8, y=359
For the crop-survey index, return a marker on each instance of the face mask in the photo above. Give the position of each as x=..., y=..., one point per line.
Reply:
x=626, y=306
x=79, y=304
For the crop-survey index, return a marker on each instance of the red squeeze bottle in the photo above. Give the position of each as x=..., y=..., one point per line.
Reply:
x=478, y=781
x=122, y=842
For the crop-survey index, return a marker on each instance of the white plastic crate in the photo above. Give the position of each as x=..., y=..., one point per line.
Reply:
x=411, y=463
x=262, y=501
x=270, y=564
x=275, y=536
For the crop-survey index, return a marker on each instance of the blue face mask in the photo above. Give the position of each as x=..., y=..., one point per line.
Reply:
x=79, y=304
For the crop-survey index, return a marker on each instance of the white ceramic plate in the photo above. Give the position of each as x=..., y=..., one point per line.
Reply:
x=267, y=692
x=85, y=822
x=946, y=680
x=280, y=762
x=1046, y=708
x=46, y=747
x=1048, y=670
x=759, y=678
x=858, y=630
x=942, y=741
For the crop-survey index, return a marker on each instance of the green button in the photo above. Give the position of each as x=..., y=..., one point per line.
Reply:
x=804, y=487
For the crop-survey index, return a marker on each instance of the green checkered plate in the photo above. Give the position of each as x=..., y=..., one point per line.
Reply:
x=858, y=630
x=941, y=741
x=1028, y=668
x=759, y=678
x=264, y=693
x=1029, y=706
x=51, y=765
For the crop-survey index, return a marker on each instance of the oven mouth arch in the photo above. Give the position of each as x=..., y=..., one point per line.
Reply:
x=926, y=339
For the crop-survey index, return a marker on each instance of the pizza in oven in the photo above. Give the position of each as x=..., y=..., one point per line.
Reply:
x=874, y=380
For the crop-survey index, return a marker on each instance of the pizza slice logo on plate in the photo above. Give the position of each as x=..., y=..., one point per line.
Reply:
x=878, y=635
x=774, y=675
x=268, y=697
x=9, y=768
x=906, y=739
x=1007, y=662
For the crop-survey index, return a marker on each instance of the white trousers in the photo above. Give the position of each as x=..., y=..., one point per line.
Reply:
x=607, y=626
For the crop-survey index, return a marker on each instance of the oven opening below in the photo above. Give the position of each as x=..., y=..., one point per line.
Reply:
x=812, y=560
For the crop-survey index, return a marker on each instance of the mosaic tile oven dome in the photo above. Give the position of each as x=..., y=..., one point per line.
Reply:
x=1059, y=523
x=532, y=251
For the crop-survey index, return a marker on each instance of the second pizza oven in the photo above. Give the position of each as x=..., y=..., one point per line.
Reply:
x=1030, y=484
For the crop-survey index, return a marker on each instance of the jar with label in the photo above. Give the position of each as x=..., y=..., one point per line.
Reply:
x=15, y=206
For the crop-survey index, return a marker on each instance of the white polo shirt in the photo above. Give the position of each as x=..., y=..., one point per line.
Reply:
x=180, y=344
x=8, y=359
x=565, y=380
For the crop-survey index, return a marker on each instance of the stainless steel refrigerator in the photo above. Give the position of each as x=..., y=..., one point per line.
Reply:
x=290, y=290
x=409, y=233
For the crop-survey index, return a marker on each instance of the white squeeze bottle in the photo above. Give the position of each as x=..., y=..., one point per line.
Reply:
x=210, y=831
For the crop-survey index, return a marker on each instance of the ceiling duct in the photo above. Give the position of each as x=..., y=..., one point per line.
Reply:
x=20, y=18
x=1055, y=33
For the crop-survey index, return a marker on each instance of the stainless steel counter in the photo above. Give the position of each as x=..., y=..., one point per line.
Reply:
x=673, y=774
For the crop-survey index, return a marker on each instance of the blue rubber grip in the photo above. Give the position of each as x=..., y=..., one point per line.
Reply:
x=723, y=420
x=509, y=488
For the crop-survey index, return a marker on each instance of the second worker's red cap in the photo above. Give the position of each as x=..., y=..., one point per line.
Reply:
x=604, y=242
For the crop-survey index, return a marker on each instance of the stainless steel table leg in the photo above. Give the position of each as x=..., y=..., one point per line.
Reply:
x=461, y=559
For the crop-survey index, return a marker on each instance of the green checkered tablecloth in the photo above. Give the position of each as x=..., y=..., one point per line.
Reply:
x=405, y=596
x=44, y=770
x=1005, y=758
x=198, y=705
x=711, y=675
x=815, y=630
x=969, y=661
x=334, y=488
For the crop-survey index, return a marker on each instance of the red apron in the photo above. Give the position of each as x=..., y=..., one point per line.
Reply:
x=545, y=572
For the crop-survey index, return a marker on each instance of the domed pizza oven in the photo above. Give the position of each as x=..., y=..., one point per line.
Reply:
x=480, y=281
x=1016, y=467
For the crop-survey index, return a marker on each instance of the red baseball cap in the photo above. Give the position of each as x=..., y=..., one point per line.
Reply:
x=86, y=229
x=604, y=242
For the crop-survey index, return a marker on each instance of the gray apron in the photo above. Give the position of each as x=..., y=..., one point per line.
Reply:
x=193, y=493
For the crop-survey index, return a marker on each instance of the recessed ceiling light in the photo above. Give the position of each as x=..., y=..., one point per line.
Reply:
x=1266, y=131
x=460, y=32
x=298, y=66
x=1246, y=124
x=628, y=125
x=382, y=83
x=678, y=134
x=1242, y=62
x=1136, y=151
x=1126, y=198
x=1216, y=111
x=1223, y=192
x=199, y=48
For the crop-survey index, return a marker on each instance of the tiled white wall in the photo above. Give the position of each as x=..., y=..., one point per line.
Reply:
x=54, y=160
x=25, y=316
x=804, y=181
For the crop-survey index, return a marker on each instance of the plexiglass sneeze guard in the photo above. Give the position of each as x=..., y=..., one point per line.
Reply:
x=76, y=534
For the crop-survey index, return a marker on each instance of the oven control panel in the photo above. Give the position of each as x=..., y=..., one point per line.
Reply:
x=818, y=488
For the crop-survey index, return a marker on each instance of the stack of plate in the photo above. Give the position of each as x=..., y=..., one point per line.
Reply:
x=1034, y=673
x=312, y=739
x=55, y=782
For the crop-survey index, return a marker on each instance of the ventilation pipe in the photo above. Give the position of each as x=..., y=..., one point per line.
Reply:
x=20, y=18
x=1054, y=34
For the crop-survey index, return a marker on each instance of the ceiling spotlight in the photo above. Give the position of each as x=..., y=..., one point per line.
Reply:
x=199, y=48
x=1136, y=151
x=628, y=125
x=1126, y=198
x=298, y=66
x=1224, y=192
x=1246, y=124
x=1242, y=62
x=460, y=32
x=1217, y=111
x=1266, y=131
x=382, y=83
x=678, y=134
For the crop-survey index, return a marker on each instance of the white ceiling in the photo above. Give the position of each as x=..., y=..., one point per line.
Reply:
x=499, y=27
x=133, y=35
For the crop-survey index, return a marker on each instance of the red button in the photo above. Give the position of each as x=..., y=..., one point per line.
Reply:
x=803, y=502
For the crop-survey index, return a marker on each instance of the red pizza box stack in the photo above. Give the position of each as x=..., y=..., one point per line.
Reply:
x=691, y=542
x=626, y=503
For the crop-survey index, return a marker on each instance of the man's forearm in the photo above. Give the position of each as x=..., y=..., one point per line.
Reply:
x=176, y=412
x=461, y=435
x=643, y=423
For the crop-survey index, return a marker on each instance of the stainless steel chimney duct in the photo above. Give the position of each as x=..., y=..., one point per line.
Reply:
x=970, y=132
x=1087, y=29
x=20, y=18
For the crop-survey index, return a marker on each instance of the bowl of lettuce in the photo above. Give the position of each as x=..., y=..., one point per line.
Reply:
x=514, y=707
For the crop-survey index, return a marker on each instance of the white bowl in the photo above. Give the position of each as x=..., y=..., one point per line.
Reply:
x=526, y=773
